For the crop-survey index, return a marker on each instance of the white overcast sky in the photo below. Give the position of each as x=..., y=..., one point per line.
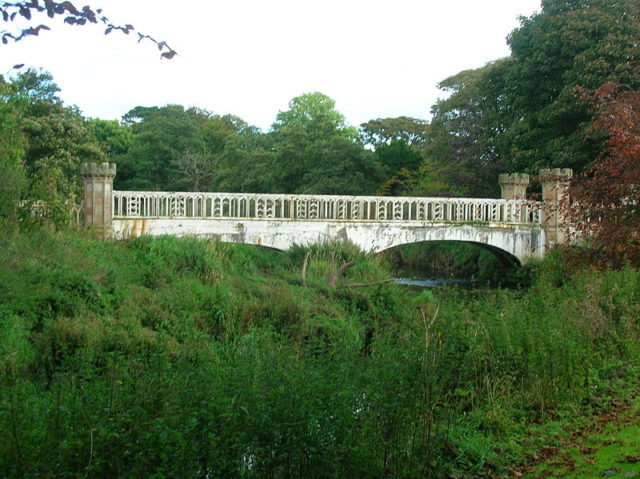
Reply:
x=375, y=58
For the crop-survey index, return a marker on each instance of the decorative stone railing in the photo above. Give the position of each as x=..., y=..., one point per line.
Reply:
x=40, y=209
x=138, y=204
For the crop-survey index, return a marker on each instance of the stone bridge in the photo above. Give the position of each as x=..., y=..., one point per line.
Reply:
x=514, y=228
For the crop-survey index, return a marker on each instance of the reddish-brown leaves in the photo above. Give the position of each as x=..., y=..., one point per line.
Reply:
x=606, y=198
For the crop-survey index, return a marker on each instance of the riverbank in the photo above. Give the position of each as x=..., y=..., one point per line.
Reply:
x=185, y=358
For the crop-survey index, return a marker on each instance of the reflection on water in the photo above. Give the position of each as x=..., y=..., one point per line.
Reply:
x=420, y=278
x=418, y=283
x=430, y=283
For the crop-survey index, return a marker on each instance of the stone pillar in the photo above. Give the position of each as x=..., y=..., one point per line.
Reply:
x=513, y=186
x=555, y=190
x=98, y=195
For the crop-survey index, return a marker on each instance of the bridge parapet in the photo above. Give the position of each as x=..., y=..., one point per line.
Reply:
x=137, y=204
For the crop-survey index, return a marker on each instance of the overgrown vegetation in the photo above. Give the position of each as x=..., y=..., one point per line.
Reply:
x=175, y=357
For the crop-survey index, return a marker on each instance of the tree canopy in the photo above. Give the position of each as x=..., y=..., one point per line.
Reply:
x=532, y=109
x=527, y=111
x=12, y=149
x=460, y=148
x=43, y=142
x=569, y=45
x=383, y=131
x=313, y=113
x=317, y=152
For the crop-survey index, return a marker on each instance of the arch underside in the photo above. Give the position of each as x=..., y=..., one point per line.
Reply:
x=506, y=259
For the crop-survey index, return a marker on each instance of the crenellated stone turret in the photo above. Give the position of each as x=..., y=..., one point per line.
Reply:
x=555, y=190
x=98, y=194
x=513, y=186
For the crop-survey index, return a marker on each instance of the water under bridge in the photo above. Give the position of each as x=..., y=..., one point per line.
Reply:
x=514, y=228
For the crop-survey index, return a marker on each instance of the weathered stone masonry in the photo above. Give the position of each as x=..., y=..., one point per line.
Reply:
x=98, y=194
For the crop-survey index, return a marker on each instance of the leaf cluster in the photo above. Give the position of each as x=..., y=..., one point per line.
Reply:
x=384, y=131
x=10, y=11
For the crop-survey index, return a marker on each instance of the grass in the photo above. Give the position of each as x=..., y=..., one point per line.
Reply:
x=605, y=445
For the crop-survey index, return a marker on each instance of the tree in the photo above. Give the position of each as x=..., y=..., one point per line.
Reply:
x=217, y=129
x=335, y=166
x=314, y=113
x=398, y=155
x=196, y=169
x=384, y=131
x=460, y=148
x=45, y=142
x=160, y=136
x=247, y=163
x=12, y=149
x=399, y=162
x=399, y=184
x=526, y=112
x=569, y=45
x=317, y=152
x=397, y=143
x=174, y=148
x=606, y=198
x=114, y=137
x=72, y=16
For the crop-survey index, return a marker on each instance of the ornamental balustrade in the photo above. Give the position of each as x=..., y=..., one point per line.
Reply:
x=137, y=204
x=41, y=209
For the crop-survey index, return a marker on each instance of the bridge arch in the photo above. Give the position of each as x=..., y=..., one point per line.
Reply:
x=513, y=244
x=505, y=258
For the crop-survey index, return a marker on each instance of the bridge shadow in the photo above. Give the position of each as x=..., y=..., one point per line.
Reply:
x=407, y=251
x=448, y=259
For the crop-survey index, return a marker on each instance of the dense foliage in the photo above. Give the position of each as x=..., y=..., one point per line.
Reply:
x=520, y=113
x=605, y=198
x=527, y=111
x=12, y=145
x=43, y=142
x=317, y=152
x=182, y=358
x=569, y=44
x=459, y=149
